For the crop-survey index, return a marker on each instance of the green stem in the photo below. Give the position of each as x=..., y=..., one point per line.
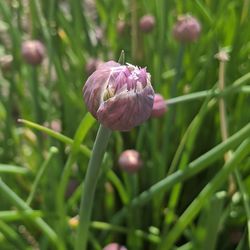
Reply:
x=11, y=169
x=236, y=86
x=45, y=165
x=223, y=119
x=90, y=186
x=79, y=136
x=222, y=105
x=181, y=160
x=12, y=236
x=228, y=155
x=245, y=89
x=171, y=114
x=193, y=168
x=12, y=215
x=41, y=224
x=112, y=177
x=178, y=68
x=194, y=208
x=36, y=95
x=203, y=94
x=246, y=200
x=55, y=135
x=124, y=230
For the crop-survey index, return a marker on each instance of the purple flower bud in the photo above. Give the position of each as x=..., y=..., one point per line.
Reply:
x=187, y=29
x=114, y=246
x=119, y=96
x=130, y=161
x=159, y=107
x=33, y=52
x=147, y=23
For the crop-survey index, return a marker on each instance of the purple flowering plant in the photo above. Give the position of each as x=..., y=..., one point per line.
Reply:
x=119, y=96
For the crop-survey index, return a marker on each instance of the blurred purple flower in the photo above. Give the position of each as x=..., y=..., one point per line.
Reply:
x=130, y=161
x=119, y=96
x=147, y=23
x=159, y=107
x=114, y=246
x=33, y=52
x=187, y=29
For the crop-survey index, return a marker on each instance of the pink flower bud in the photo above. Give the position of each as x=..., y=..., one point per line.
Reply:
x=187, y=29
x=147, y=23
x=114, y=246
x=130, y=161
x=33, y=52
x=159, y=107
x=119, y=96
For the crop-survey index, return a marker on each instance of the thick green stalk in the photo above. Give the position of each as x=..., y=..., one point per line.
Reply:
x=79, y=136
x=90, y=186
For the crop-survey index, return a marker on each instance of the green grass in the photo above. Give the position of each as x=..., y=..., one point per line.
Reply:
x=180, y=199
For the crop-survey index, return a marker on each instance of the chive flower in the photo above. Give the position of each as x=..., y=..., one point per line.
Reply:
x=159, y=106
x=147, y=23
x=187, y=29
x=33, y=52
x=130, y=161
x=119, y=96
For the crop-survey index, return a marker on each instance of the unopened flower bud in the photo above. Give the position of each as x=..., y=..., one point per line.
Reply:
x=222, y=56
x=187, y=29
x=159, y=106
x=114, y=246
x=130, y=161
x=147, y=23
x=119, y=96
x=33, y=52
x=92, y=65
